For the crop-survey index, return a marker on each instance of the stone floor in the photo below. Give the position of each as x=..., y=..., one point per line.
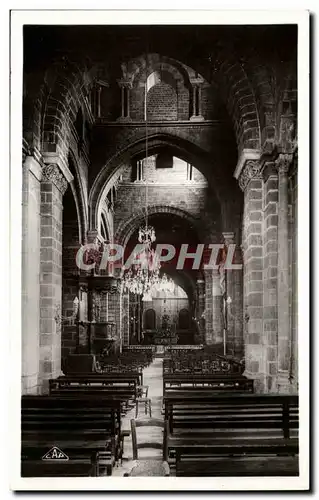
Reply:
x=152, y=376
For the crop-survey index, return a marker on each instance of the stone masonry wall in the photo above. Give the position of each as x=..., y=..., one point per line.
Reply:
x=161, y=103
x=31, y=199
x=253, y=282
x=270, y=246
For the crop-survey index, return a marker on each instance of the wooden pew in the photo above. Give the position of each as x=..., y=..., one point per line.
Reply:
x=118, y=387
x=249, y=434
x=125, y=382
x=85, y=428
x=192, y=383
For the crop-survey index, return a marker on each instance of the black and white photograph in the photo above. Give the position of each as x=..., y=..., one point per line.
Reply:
x=161, y=168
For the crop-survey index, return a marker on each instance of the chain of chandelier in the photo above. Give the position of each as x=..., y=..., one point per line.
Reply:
x=144, y=278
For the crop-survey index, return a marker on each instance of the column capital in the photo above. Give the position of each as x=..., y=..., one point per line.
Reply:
x=252, y=169
x=52, y=173
x=56, y=170
x=283, y=163
x=196, y=81
x=124, y=83
x=246, y=155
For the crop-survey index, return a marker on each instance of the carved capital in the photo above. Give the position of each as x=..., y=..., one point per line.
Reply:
x=52, y=173
x=251, y=169
x=125, y=83
x=283, y=163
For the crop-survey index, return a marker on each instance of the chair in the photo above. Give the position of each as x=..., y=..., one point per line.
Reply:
x=149, y=467
x=142, y=397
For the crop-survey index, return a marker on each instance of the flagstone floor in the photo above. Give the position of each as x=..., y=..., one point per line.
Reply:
x=152, y=376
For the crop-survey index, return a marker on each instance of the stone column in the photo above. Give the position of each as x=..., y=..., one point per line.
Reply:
x=99, y=90
x=194, y=100
x=284, y=327
x=236, y=306
x=200, y=100
x=196, y=83
x=115, y=315
x=294, y=273
x=208, y=308
x=125, y=86
x=53, y=187
x=122, y=101
x=270, y=251
x=250, y=181
x=31, y=201
x=200, y=308
x=230, y=293
x=126, y=319
x=217, y=304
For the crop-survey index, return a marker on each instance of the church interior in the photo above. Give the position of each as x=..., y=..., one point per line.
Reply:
x=180, y=137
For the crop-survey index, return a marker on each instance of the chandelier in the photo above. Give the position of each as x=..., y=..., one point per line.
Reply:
x=142, y=277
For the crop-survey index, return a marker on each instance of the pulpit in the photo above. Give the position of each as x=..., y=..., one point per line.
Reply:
x=102, y=337
x=102, y=329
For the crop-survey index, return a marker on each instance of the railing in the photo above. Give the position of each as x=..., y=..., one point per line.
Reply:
x=185, y=347
x=139, y=348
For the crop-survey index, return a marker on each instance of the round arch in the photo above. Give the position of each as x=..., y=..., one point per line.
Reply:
x=79, y=195
x=128, y=226
x=182, y=148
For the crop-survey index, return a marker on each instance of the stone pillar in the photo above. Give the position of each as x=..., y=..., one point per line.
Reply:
x=200, y=100
x=122, y=101
x=208, y=307
x=230, y=294
x=31, y=201
x=125, y=86
x=200, y=309
x=115, y=315
x=294, y=274
x=194, y=100
x=197, y=82
x=251, y=182
x=217, y=305
x=126, y=319
x=270, y=251
x=99, y=90
x=236, y=307
x=284, y=325
x=53, y=186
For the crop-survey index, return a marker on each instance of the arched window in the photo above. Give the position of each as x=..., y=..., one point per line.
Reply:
x=149, y=319
x=183, y=319
x=161, y=97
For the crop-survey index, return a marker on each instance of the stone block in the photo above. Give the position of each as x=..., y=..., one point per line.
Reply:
x=272, y=367
x=271, y=209
x=270, y=312
x=46, y=291
x=272, y=220
x=271, y=197
x=271, y=354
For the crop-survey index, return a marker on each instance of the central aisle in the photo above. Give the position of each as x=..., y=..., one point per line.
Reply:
x=152, y=376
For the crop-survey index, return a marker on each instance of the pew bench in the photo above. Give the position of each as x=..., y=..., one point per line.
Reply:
x=85, y=428
x=116, y=387
x=247, y=433
x=206, y=382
